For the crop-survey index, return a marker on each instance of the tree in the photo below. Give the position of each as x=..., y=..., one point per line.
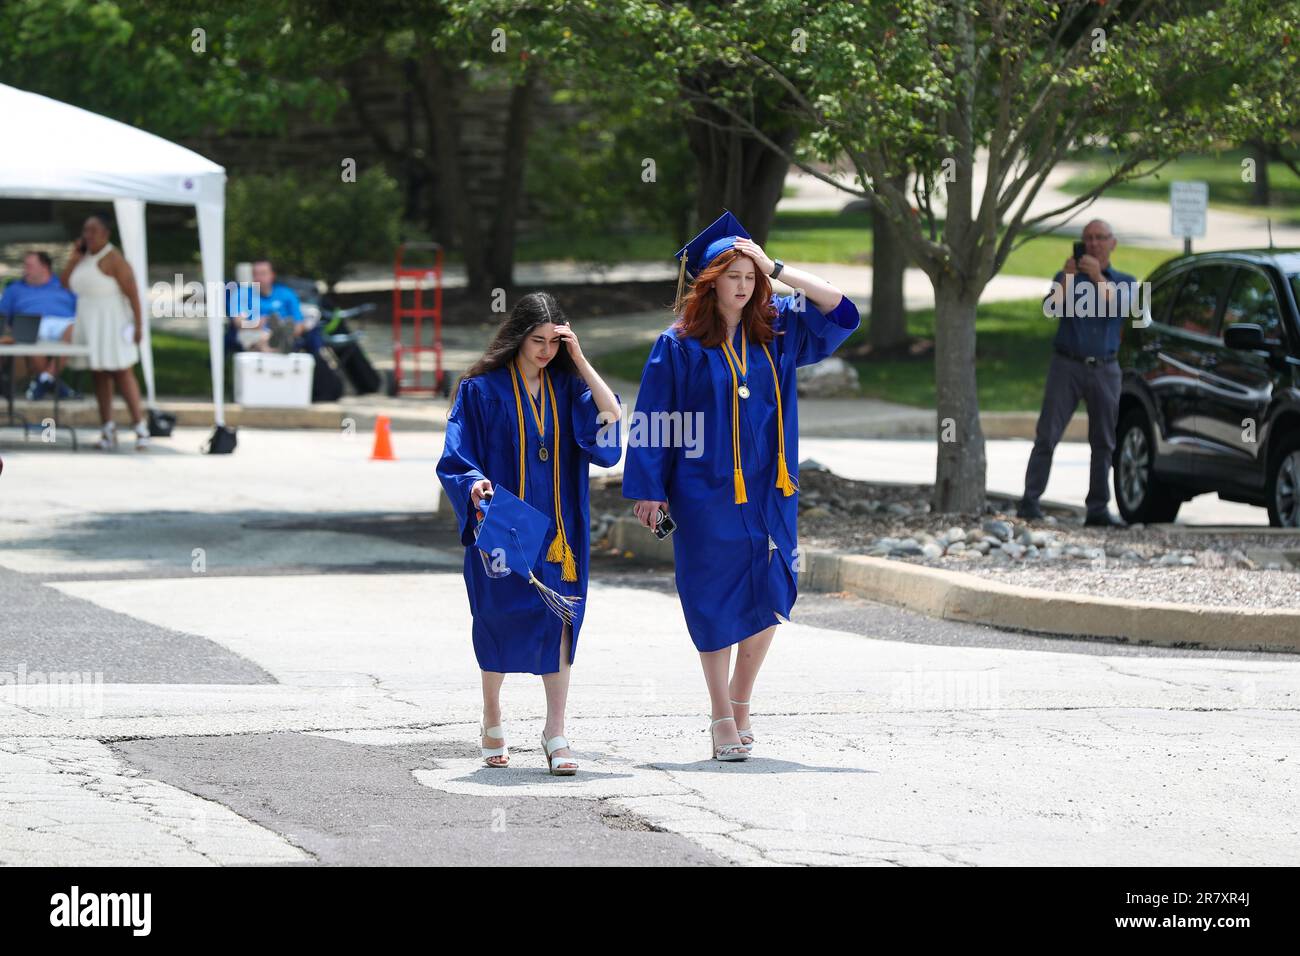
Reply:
x=926, y=85
x=174, y=68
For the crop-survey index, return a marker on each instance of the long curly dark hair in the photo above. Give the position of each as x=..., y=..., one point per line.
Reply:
x=532, y=310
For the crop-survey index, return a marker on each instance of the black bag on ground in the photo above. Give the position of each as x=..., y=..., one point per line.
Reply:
x=326, y=386
x=354, y=364
x=351, y=359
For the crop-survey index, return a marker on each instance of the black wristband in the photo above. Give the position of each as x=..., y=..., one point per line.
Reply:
x=776, y=269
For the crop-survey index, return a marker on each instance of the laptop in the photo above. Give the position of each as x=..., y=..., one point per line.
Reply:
x=25, y=328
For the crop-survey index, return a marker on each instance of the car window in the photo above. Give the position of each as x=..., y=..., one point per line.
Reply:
x=1252, y=300
x=1198, y=300
x=1162, y=294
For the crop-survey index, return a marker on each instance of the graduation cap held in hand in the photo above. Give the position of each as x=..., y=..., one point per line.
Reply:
x=514, y=530
x=717, y=237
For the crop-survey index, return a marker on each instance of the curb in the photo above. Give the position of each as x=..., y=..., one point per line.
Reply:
x=956, y=596
x=322, y=415
x=189, y=413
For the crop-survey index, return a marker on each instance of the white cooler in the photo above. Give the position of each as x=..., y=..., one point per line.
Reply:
x=273, y=380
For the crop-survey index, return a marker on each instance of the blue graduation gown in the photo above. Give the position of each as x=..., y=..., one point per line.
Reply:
x=729, y=583
x=514, y=632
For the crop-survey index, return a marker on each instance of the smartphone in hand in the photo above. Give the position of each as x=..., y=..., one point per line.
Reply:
x=1080, y=250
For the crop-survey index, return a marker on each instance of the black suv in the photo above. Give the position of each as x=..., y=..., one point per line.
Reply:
x=1211, y=393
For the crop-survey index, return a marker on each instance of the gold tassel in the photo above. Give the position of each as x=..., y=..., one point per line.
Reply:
x=741, y=497
x=569, y=569
x=783, y=479
x=555, y=554
x=681, y=282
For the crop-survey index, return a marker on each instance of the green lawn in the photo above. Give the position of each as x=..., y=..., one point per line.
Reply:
x=1223, y=174
x=1013, y=349
x=180, y=369
x=826, y=237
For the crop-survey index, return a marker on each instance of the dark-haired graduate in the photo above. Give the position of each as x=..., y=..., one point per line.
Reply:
x=730, y=358
x=525, y=417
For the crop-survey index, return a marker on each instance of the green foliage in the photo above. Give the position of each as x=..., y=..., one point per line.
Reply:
x=141, y=61
x=313, y=226
x=589, y=177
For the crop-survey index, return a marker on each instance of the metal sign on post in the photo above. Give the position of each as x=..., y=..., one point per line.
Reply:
x=1188, y=202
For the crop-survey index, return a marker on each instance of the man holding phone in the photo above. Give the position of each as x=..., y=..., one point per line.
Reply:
x=1083, y=366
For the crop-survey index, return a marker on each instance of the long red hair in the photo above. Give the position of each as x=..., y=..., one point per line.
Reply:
x=701, y=318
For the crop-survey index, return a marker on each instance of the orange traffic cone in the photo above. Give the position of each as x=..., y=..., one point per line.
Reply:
x=383, y=441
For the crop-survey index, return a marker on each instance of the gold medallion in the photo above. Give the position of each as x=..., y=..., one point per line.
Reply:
x=743, y=391
x=542, y=454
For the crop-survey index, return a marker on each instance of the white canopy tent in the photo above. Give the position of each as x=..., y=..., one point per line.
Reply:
x=72, y=154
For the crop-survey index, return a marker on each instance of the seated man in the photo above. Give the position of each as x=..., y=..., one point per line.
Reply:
x=39, y=292
x=258, y=316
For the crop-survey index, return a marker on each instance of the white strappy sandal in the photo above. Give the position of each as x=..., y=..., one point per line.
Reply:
x=559, y=766
x=745, y=732
x=726, y=751
x=501, y=751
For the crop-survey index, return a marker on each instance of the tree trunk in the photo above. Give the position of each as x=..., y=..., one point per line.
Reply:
x=501, y=251
x=888, y=328
x=443, y=83
x=738, y=172
x=959, y=469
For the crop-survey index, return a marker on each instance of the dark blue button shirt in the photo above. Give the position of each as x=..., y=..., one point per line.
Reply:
x=1096, y=333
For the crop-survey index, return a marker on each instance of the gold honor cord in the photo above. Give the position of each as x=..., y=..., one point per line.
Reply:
x=737, y=474
x=783, y=480
x=559, y=552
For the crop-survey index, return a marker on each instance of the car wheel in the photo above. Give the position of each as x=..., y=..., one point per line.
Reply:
x=1141, y=496
x=1284, y=485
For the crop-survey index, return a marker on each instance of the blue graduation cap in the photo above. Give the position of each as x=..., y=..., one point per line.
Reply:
x=717, y=237
x=513, y=530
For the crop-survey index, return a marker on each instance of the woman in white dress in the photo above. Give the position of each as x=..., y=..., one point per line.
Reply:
x=109, y=321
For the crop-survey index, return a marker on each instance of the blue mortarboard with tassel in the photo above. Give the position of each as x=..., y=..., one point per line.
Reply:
x=513, y=531
x=717, y=237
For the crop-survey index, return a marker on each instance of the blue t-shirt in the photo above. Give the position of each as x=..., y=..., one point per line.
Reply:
x=1081, y=332
x=281, y=301
x=48, y=299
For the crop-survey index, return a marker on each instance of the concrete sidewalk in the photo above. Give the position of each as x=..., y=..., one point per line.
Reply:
x=279, y=671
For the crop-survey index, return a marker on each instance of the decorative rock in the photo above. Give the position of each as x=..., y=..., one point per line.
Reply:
x=828, y=378
x=1011, y=549
x=999, y=528
x=898, y=508
x=956, y=534
x=957, y=547
x=931, y=550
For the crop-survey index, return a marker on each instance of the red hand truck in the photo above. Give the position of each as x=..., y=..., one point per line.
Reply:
x=418, y=310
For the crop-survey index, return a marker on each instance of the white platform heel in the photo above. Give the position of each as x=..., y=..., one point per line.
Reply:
x=745, y=731
x=726, y=751
x=559, y=766
x=489, y=752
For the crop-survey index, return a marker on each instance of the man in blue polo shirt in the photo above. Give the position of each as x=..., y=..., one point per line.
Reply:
x=274, y=300
x=1088, y=296
x=39, y=292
